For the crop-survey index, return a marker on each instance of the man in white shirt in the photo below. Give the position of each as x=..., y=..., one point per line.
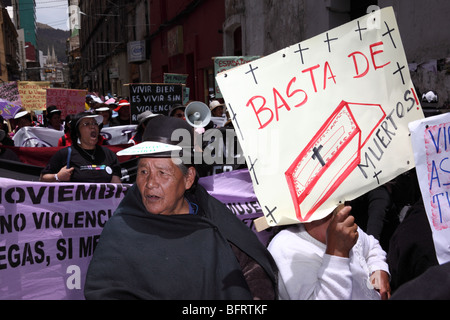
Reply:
x=330, y=259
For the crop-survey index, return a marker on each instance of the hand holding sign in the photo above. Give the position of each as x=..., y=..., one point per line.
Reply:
x=342, y=233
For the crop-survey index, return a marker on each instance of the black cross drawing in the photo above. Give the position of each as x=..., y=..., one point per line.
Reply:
x=400, y=70
x=301, y=51
x=271, y=213
x=329, y=40
x=359, y=30
x=390, y=35
x=235, y=119
x=317, y=155
x=376, y=174
x=253, y=73
x=252, y=164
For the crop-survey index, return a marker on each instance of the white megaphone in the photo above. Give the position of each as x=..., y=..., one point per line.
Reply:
x=197, y=114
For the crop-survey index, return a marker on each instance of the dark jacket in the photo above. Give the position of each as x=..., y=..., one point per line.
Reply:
x=146, y=256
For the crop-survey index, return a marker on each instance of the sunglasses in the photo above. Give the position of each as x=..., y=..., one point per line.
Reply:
x=88, y=124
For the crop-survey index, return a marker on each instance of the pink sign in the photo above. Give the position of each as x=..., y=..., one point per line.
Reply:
x=69, y=101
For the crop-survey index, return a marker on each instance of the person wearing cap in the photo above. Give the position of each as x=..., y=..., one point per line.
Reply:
x=53, y=116
x=22, y=119
x=84, y=160
x=104, y=110
x=169, y=239
x=216, y=108
x=143, y=119
x=124, y=114
x=177, y=111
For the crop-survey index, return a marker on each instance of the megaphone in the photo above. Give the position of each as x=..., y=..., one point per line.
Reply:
x=197, y=114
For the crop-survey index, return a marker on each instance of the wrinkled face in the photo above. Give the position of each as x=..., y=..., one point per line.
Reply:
x=162, y=185
x=88, y=132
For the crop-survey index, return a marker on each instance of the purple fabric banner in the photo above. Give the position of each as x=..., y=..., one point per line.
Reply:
x=235, y=190
x=48, y=234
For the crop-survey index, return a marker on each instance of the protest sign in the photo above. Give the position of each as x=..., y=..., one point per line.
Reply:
x=8, y=110
x=431, y=144
x=325, y=120
x=33, y=94
x=181, y=79
x=222, y=64
x=10, y=92
x=48, y=235
x=154, y=97
x=69, y=101
x=235, y=190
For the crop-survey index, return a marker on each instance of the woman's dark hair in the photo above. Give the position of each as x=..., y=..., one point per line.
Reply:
x=74, y=129
x=67, y=123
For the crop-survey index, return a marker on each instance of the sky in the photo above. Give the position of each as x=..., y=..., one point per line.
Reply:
x=53, y=12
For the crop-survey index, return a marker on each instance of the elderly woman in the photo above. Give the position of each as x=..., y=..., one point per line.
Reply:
x=169, y=239
x=85, y=160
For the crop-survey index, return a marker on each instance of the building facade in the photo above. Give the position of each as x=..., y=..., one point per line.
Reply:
x=124, y=42
x=106, y=29
x=138, y=41
x=9, y=49
x=254, y=27
x=185, y=37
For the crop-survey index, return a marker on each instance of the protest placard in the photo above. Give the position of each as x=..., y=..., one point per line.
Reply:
x=69, y=101
x=325, y=120
x=48, y=235
x=431, y=144
x=181, y=79
x=222, y=64
x=10, y=92
x=33, y=94
x=154, y=97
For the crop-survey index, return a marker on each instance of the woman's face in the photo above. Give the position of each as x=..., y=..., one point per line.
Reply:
x=55, y=121
x=162, y=186
x=89, y=131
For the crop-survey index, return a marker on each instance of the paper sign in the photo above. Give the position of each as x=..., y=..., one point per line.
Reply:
x=222, y=64
x=431, y=144
x=325, y=120
x=154, y=97
x=33, y=94
x=69, y=101
x=48, y=235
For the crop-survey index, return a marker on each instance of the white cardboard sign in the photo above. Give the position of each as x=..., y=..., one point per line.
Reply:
x=431, y=144
x=325, y=120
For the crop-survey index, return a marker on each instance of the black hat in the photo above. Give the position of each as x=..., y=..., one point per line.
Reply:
x=162, y=138
x=51, y=110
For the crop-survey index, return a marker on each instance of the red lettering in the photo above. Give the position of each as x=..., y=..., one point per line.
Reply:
x=415, y=96
x=275, y=95
x=291, y=94
x=312, y=75
x=372, y=53
x=327, y=67
x=260, y=109
x=358, y=75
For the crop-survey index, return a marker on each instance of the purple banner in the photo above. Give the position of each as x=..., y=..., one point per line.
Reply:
x=235, y=190
x=48, y=234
